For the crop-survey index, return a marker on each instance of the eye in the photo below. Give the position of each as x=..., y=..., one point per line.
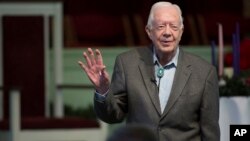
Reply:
x=160, y=27
x=174, y=26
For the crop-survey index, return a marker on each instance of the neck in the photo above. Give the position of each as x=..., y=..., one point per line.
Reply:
x=165, y=58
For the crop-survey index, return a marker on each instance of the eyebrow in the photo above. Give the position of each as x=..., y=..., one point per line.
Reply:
x=163, y=23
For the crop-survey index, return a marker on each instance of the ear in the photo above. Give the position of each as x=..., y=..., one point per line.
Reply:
x=182, y=30
x=147, y=29
x=181, y=33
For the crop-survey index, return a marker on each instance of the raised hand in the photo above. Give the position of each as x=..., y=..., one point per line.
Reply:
x=95, y=70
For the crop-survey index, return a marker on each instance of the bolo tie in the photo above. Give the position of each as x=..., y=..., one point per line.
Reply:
x=160, y=73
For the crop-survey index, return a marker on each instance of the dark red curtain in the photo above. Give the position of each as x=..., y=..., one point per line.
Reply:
x=23, y=63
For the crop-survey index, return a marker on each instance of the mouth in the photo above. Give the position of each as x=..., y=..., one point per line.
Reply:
x=166, y=43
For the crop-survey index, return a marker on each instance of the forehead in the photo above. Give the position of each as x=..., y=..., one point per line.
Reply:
x=166, y=14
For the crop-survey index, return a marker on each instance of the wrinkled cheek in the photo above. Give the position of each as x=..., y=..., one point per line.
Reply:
x=180, y=35
x=178, y=39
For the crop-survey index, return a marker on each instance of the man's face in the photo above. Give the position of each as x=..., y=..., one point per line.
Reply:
x=166, y=30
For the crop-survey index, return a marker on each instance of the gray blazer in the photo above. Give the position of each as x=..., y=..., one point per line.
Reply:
x=192, y=111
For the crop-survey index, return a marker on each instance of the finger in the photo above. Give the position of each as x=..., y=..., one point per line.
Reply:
x=82, y=65
x=87, y=59
x=92, y=56
x=99, y=59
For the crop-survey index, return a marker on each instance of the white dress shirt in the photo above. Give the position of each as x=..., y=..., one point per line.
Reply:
x=166, y=81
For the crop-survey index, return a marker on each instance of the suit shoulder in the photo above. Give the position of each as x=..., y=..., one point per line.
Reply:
x=200, y=66
x=196, y=60
x=133, y=53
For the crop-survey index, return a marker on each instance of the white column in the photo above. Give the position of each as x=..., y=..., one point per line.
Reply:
x=58, y=45
x=15, y=114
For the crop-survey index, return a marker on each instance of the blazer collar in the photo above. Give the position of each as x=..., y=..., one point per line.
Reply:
x=181, y=77
x=146, y=68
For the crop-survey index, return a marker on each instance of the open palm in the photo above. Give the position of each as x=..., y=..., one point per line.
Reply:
x=95, y=70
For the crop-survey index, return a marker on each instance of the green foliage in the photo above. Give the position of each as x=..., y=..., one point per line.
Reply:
x=87, y=113
x=236, y=86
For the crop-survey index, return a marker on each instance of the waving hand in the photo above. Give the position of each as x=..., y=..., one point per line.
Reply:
x=96, y=70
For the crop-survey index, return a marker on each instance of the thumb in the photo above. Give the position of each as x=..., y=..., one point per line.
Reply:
x=104, y=74
x=103, y=70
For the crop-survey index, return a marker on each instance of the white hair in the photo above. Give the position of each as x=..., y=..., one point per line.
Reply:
x=162, y=4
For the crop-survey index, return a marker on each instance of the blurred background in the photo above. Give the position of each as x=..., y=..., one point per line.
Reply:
x=39, y=54
x=122, y=23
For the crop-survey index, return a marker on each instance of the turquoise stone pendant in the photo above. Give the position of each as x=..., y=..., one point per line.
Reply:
x=160, y=72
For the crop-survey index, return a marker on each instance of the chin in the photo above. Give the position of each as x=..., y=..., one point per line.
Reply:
x=168, y=48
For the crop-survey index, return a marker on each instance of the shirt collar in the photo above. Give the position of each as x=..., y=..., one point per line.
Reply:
x=173, y=61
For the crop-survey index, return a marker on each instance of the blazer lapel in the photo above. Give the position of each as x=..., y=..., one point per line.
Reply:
x=182, y=74
x=146, y=68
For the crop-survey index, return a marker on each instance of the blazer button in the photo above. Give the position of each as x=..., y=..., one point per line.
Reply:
x=159, y=128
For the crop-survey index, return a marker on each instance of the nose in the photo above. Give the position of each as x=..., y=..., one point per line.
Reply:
x=167, y=31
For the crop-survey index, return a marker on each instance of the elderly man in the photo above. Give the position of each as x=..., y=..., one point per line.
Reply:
x=173, y=92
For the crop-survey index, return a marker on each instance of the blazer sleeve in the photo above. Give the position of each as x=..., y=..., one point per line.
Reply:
x=114, y=108
x=210, y=108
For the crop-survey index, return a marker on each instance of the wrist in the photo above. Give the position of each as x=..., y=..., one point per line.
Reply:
x=102, y=90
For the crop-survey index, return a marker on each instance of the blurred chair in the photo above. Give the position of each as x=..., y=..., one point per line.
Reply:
x=97, y=29
x=97, y=23
x=140, y=22
x=190, y=30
